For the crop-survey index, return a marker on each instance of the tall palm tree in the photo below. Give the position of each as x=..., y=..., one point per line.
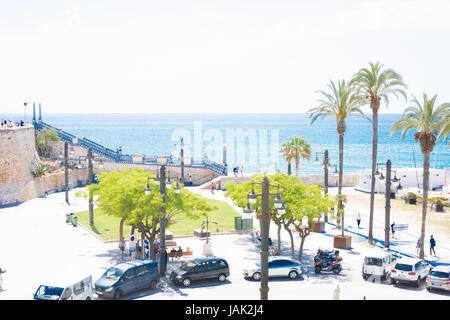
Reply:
x=299, y=149
x=430, y=123
x=288, y=155
x=377, y=85
x=343, y=102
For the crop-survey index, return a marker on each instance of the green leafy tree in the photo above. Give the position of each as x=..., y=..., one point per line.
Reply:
x=121, y=194
x=301, y=201
x=341, y=102
x=428, y=122
x=377, y=84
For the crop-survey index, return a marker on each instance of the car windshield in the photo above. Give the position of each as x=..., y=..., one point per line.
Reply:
x=49, y=292
x=374, y=262
x=439, y=274
x=113, y=273
x=403, y=267
x=188, y=266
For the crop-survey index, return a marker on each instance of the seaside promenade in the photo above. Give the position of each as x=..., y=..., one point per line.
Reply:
x=38, y=247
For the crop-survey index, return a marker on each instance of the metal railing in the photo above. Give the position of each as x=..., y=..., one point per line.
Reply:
x=127, y=158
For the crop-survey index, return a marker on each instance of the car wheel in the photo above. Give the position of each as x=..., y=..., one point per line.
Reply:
x=153, y=285
x=256, y=276
x=317, y=270
x=222, y=277
x=393, y=281
x=88, y=298
x=364, y=277
x=186, y=282
x=417, y=283
x=293, y=274
x=118, y=294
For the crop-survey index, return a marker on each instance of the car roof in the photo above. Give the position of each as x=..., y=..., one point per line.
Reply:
x=208, y=259
x=442, y=268
x=134, y=263
x=407, y=260
x=281, y=258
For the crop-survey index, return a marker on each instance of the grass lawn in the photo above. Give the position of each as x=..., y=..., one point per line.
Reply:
x=107, y=227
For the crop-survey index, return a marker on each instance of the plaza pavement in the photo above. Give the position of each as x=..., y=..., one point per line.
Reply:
x=38, y=247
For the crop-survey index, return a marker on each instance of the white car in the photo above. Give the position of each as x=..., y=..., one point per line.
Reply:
x=278, y=267
x=439, y=278
x=410, y=270
x=378, y=264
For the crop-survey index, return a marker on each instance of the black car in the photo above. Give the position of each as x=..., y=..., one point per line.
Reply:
x=201, y=269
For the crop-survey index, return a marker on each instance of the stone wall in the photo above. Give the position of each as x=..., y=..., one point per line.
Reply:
x=17, y=158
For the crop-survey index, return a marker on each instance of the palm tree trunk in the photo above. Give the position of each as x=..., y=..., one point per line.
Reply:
x=374, y=106
x=297, y=164
x=289, y=168
x=341, y=166
x=425, y=184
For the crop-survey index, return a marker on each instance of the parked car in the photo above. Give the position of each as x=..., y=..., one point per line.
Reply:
x=80, y=290
x=278, y=267
x=201, y=269
x=127, y=277
x=378, y=264
x=410, y=270
x=439, y=278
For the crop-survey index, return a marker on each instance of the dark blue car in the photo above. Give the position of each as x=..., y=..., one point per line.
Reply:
x=127, y=277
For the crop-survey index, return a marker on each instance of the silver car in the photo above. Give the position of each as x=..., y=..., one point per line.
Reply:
x=278, y=267
x=439, y=278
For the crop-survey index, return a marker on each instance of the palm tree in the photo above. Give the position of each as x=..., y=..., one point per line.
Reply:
x=430, y=123
x=288, y=155
x=298, y=148
x=343, y=101
x=377, y=84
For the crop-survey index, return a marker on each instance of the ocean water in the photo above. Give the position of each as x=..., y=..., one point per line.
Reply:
x=252, y=140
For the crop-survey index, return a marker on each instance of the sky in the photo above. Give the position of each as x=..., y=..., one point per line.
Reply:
x=209, y=56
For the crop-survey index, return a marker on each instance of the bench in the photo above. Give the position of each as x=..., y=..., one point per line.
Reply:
x=179, y=254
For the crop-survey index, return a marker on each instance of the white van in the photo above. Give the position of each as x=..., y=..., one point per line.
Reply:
x=81, y=290
x=378, y=264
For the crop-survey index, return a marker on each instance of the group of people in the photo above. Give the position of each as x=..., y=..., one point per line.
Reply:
x=236, y=171
x=10, y=124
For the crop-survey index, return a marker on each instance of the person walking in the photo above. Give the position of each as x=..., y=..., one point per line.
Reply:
x=122, y=246
x=132, y=246
x=213, y=186
x=358, y=219
x=418, y=246
x=1, y=279
x=432, y=245
x=393, y=229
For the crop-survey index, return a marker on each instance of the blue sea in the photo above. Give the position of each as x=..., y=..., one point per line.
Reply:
x=252, y=140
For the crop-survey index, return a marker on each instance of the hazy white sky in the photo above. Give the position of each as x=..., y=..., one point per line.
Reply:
x=212, y=56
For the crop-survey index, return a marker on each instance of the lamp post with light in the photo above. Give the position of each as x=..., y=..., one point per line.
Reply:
x=264, y=220
x=387, y=211
x=160, y=180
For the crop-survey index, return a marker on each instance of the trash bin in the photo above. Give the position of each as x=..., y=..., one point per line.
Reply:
x=74, y=220
x=247, y=224
x=68, y=218
x=238, y=223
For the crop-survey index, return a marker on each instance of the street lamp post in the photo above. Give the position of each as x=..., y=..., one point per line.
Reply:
x=66, y=170
x=25, y=111
x=161, y=180
x=387, y=211
x=326, y=164
x=264, y=220
x=182, y=160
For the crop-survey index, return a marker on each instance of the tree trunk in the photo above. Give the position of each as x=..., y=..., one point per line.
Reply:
x=341, y=165
x=291, y=236
x=374, y=105
x=297, y=164
x=121, y=226
x=289, y=168
x=300, y=250
x=425, y=184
